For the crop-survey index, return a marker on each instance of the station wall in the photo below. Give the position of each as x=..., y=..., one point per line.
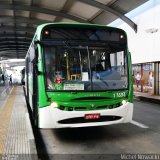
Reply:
x=145, y=44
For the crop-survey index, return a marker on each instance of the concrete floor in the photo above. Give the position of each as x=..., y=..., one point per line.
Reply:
x=142, y=137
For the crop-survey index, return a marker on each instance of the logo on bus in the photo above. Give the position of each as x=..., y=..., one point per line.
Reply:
x=92, y=105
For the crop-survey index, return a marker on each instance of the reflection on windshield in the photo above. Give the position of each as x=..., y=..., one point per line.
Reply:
x=85, y=68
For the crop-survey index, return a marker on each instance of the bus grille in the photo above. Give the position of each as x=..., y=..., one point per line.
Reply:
x=73, y=108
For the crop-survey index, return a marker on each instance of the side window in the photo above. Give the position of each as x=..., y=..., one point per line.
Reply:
x=50, y=63
x=31, y=57
x=117, y=61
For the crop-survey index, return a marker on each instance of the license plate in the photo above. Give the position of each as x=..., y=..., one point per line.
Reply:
x=92, y=116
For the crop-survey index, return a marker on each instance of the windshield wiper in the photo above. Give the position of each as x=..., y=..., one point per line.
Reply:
x=90, y=71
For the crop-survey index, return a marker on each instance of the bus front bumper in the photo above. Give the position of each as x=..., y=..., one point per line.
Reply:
x=50, y=117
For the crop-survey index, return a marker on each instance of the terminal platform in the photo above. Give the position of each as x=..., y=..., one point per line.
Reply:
x=16, y=136
x=147, y=97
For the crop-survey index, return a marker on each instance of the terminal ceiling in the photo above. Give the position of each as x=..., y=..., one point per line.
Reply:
x=19, y=18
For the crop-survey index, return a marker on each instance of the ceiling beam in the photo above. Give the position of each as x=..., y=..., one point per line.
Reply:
x=20, y=19
x=10, y=47
x=5, y=47
x=39, y=9
x=101, y=11
x=11, y=55
x=113, y=11
x=65, y=9
x=14, y=48
x=9, y=42
x=19, y=35
x=13, y=39
x=18, y=28
x=13, y=51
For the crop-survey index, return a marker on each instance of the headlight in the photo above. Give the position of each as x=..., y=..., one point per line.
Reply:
x=124, y=102
x=54, y=105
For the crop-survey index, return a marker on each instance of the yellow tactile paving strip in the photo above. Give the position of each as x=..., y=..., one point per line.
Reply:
x=5, y=116
x=17, y=142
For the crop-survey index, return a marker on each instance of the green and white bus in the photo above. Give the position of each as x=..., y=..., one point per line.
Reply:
x=79, y=75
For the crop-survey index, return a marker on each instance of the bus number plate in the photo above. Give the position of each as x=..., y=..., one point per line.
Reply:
x=92, y=116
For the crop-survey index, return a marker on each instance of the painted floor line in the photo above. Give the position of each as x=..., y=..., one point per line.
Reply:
x=139, y=124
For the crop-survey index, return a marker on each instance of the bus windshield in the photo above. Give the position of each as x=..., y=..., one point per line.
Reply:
x=85, y=65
